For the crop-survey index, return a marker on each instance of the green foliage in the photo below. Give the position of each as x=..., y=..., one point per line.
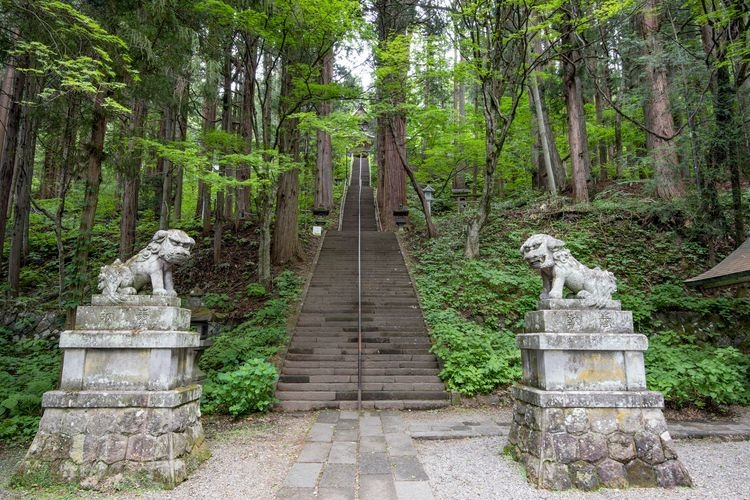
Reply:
x=246, y=341
x=248, y=388
x=219, y=301
x=475, y=359
x=28, y=368
x=691, y=374
x=255, y=290
x=240, y=378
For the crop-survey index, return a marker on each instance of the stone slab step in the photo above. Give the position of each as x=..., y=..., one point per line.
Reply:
x=366, y=395
x=378, y=357
x=366, y=386
x=352, y=350
x=369, y=362
x=319, y=379
x=352, y=370
x=294, y=406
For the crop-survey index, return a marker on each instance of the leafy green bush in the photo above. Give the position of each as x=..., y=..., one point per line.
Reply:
x=475, y=359
x=219, y=301
x=256, y=290
x=247, y=341
x=248, y=388
x=287, y=285
x=28, y=368
x=703, y=375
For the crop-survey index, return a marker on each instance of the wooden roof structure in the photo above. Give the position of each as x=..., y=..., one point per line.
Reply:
x=733, y=270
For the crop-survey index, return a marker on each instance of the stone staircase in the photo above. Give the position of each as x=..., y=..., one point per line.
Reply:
x=320, y=369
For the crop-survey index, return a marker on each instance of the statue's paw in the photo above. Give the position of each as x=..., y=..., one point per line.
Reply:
x=544, y=296
x=170, y=293
x=160, y=291
x=555, y=295
x=127, y=291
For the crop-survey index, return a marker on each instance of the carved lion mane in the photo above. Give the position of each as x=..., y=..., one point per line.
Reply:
x=153, y=264
x=559, y=269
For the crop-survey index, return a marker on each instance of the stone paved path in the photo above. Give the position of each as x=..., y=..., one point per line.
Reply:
x=347, y=455
x=371, y=456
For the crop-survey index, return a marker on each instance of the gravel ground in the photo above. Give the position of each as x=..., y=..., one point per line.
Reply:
x=475, y=468
x=249, y=459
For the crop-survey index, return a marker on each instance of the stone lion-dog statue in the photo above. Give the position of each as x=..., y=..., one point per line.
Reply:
x=561, y=270
x=154, y=264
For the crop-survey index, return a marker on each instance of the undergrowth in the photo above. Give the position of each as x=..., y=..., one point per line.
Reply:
x=240, y=377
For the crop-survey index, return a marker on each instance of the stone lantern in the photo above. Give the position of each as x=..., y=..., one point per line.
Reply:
x=428, y=190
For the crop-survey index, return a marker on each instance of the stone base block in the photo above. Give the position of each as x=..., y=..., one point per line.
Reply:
x=587, y=448
x=99, y=447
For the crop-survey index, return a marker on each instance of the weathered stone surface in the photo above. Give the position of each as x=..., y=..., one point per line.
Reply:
x=555, y=419
x=129, y=339
x=653, y=421
x=566, y=448
x=121, y=399
x=587, y=399
x=584, y=476
x=672, y=473
x=113, y=448
x=629, y=420
x=602, y=420
x=145, y=448
x=612, y=474
x=621, y=447
x=648, y=447
x=641, y=474
x=567, y=304
x=113, y=318
x=576, y=420
x=555, y=476
x=592, y=447
x=583, y=321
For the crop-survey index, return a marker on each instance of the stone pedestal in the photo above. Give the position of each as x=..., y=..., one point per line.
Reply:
x=583, y=417
x=126, y=407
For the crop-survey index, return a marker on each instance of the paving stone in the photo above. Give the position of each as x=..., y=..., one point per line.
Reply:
x=321, y=432
x=314, y=452
x=392, y=423
x=328, y=417
x=408, y=468
x=346, y=425
x=287, y=493
x=373, y=463
x=413, y=490
x=303, y=475
x=371, y=444
x=335, y=493
x=348, y=415
x=338, y=476
x=377, y=487
x=370, y=426
x=343, y=453
x=399, y=444
x=345, y=435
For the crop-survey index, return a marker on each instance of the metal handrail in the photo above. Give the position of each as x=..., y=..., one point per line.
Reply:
x=359, y=290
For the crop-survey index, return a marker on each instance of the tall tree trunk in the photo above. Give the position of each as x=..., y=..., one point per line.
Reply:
x=324, y=160
x=220, y=211
x=90, y=200
x=25, y=168
x=391, y=178
x=459, y=113
x=668, y=178
x=203, y=207
x=8, y=151
x=286, y=245
x=49, y=175
x=552, y=186
x=247, y=125
x=167, y=174
x=132, y=179
x=264, y=200
x=577, y=138
x=179, y=176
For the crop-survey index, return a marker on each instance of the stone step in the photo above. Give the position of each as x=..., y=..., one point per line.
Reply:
x=294, y=406
x=353, y=357
x=352, y=370
x=367, y=386
x=351, y=349
x=369, y=362
x=366, y=395
x=319, y=379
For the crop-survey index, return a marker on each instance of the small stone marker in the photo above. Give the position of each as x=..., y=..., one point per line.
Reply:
x=583, y=417
x=127, y=406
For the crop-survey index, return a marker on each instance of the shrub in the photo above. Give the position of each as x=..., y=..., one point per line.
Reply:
x=219, y=301
x=248, y=388
x=247, y=341
x=28, y=368
x=256, y=290
x=475, y=359
x=703, y=375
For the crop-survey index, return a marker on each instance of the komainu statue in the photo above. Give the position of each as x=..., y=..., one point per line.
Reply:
x=560, y=270
x=153, y=264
